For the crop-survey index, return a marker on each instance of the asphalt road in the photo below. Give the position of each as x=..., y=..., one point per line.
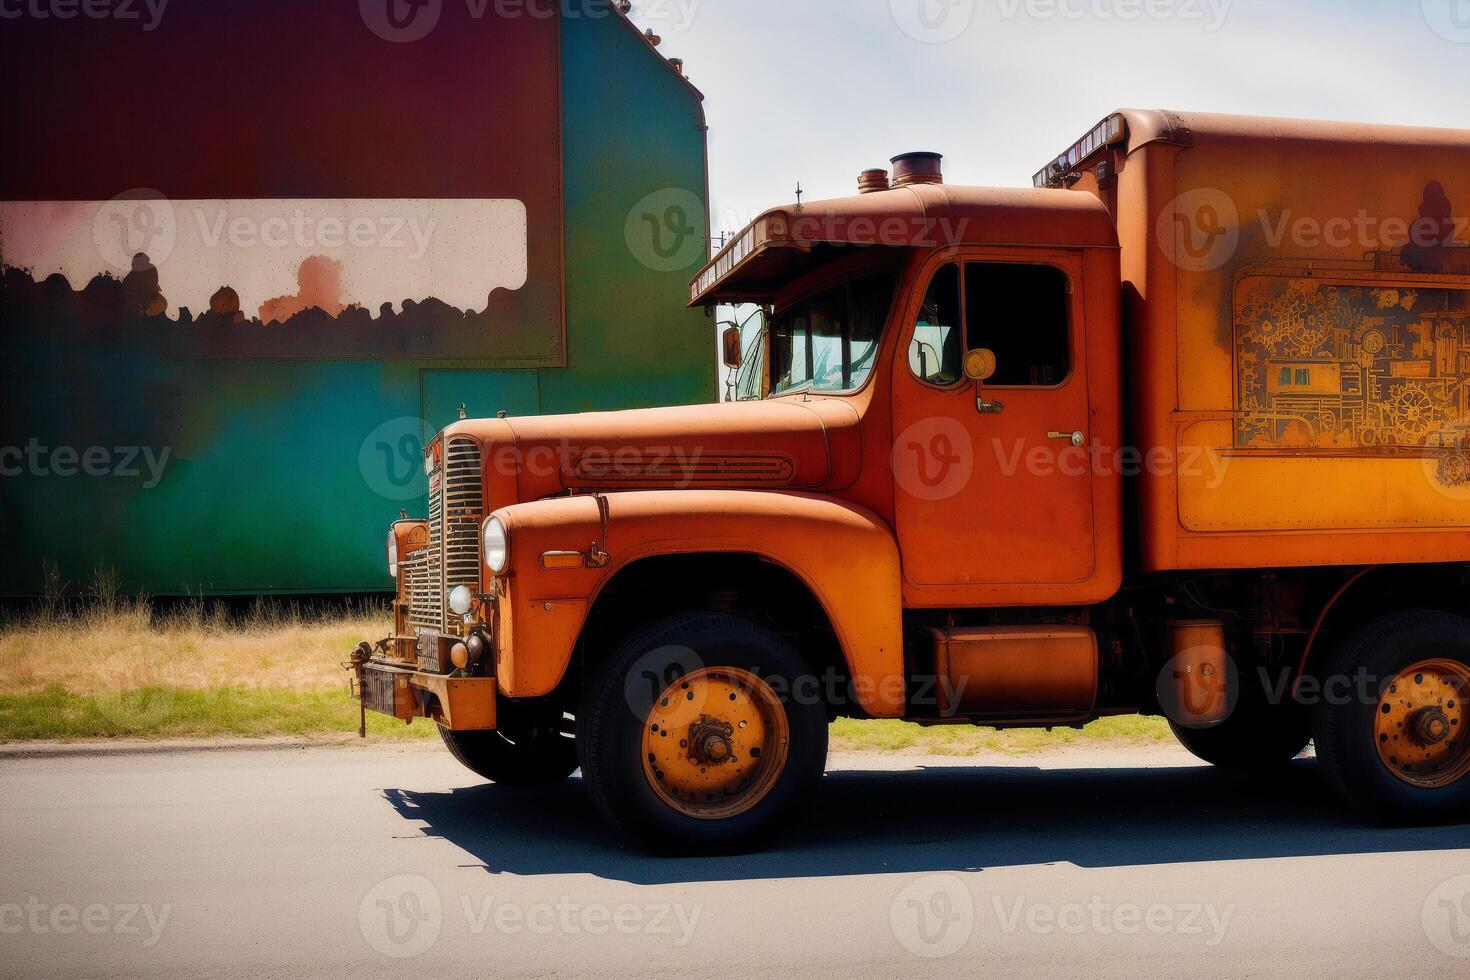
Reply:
x=368, y=861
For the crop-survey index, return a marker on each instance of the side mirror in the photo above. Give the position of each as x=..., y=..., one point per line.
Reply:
x=730, y=340
x=980, y=364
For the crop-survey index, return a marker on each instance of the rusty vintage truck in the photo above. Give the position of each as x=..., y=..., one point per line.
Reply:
x=1179, y=430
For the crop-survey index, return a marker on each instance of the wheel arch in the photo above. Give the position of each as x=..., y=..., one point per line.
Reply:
x=1370, y=593
x=826, y=565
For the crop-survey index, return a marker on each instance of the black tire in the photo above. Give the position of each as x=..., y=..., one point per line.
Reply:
x=1364, y=665
x=528, y=755
x=1258, y=736
x=619, y=695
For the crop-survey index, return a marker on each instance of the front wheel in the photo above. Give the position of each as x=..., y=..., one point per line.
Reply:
x=531, y=753
x=1392, y=730
x=701, y=733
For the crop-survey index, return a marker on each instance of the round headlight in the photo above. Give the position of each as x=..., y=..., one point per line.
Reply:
x=496, y=553
x=392, y=554
x=460, y=599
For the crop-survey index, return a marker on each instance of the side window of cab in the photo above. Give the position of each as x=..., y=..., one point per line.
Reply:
x=1021, y=313
x=937, y=350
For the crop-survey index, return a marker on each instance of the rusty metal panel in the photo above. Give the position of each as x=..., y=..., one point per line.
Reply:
x=1296, y=295
x=1032, y=673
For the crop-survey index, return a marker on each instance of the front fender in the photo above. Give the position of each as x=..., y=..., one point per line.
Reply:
x=844, y=554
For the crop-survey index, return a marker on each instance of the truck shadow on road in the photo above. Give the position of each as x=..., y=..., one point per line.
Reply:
x=941, y=819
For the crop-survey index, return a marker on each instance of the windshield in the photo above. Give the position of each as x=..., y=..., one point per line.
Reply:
x=829, y=341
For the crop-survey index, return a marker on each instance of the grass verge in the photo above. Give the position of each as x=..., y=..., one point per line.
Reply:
x=116, y=668
x=853, y=735
x=168, y=713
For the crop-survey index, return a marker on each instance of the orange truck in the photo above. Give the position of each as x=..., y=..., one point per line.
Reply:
x=1182, y=430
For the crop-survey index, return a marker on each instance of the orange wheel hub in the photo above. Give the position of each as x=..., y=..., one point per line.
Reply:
x=1420, y=725
x=714, y=742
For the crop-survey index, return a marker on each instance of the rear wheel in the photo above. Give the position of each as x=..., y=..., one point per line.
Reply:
x=529, y=751
x=1392, y=730
x=701, y=733
x=1257, y=736
x=1265, y=742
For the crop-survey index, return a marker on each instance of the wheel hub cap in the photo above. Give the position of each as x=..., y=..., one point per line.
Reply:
x=1420, y=724
x=711, y=740
x=714, y=742
x=1431, y=726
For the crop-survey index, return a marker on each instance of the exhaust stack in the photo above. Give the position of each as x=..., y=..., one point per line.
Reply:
x=917, y=168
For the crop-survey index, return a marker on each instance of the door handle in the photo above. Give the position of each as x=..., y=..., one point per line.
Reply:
x=1075, y=438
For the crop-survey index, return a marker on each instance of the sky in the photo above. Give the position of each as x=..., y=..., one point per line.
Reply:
x=817, y=90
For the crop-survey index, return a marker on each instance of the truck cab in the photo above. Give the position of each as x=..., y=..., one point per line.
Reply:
x=975, y=333
x=968, y=495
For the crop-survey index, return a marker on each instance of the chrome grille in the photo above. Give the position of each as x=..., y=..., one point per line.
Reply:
x=420, y=573
x=462, y=513
x=456, y=495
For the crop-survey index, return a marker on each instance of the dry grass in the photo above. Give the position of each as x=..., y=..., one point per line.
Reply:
x=106, y=666
x=103, y=646
x=852, y=735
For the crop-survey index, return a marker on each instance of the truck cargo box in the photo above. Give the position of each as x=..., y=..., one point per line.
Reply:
x=1297, y=297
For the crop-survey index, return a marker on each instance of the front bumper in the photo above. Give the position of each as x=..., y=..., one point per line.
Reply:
x=463, y=704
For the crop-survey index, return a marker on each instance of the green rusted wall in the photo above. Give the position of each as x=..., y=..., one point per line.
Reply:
x=636, y=229
x=284, y=471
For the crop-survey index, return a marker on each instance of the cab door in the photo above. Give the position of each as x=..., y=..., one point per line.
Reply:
x=995, y=492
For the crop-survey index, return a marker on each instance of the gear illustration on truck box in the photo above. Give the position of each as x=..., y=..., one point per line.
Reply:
x=1348, y=366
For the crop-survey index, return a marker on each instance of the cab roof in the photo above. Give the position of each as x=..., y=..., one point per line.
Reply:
x=785, y=242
